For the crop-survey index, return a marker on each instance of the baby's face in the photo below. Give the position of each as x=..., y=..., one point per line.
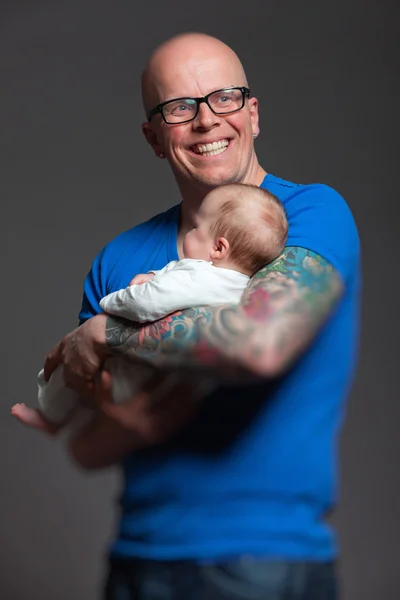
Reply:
x=198, y=242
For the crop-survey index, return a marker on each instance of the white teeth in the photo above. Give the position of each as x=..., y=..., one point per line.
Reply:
x=214, y=152
x=211, y=149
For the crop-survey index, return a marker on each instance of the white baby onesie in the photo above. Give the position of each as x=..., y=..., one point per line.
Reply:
x=180, y=284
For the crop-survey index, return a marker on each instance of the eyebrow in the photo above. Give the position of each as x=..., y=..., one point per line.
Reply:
x=218, y=89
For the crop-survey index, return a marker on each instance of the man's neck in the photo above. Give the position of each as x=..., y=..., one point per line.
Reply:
x=188, y=212
x=192, y=197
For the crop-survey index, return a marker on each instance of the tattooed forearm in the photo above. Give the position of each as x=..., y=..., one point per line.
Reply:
x=178, y=339
x=282, y=308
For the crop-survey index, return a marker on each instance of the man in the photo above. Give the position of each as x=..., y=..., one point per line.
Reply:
x=225, y=500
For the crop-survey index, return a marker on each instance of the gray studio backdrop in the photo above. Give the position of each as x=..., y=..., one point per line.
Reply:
x=76, y=171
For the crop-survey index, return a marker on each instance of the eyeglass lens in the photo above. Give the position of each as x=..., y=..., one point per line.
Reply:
x=224, y=101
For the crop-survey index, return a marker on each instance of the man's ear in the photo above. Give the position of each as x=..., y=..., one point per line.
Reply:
x=253, y=108
x=220, y=250
x=152, y=140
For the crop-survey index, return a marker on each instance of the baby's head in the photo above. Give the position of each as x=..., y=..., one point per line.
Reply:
x=241, y=227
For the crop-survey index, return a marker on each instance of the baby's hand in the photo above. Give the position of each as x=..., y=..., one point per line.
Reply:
x=141, y=278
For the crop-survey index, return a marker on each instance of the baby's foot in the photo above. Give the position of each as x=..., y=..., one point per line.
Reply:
x=32, y=418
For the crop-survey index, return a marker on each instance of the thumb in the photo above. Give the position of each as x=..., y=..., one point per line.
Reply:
x=53, y=359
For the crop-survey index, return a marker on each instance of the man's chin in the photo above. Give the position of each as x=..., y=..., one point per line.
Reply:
x=211, y=180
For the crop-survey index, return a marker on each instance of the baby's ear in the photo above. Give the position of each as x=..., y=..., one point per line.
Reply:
x=220, y=249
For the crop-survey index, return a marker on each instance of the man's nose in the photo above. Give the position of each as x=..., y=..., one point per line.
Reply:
x=205, y=118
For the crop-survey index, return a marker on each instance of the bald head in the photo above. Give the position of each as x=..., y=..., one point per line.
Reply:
x=184, y=64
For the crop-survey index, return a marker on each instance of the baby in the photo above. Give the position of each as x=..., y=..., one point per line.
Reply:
x=238, y=230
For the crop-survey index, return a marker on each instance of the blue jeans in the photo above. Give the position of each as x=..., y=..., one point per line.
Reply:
x=245, y=579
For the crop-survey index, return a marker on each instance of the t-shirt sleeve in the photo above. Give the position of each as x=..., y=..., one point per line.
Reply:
x=320, y=220
x=124, y=254
x=94, y=288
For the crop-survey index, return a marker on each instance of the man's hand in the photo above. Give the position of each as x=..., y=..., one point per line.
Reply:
x=141, y=278
x=136, y=425
x=151, y=422
x=82, y=353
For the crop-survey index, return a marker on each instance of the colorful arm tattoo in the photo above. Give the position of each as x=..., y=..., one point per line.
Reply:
x=282, y=309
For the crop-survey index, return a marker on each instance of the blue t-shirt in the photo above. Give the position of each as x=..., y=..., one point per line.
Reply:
x=256, y=472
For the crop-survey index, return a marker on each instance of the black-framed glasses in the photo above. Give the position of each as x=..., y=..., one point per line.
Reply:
x=221, y=102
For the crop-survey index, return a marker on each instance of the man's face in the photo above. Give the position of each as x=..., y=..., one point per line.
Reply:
x=233, y=133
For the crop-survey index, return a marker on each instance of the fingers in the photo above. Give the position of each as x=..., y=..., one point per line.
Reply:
x=81, y=354
x=87, y=394
x=80, y=382
x=168, y=416
x=89, y=389
x=153, y=422
x=159, y=420
x=138, y=279
x=141, y=278
x=130, y=413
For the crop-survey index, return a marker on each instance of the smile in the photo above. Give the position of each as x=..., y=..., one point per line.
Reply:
x=211, y=149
